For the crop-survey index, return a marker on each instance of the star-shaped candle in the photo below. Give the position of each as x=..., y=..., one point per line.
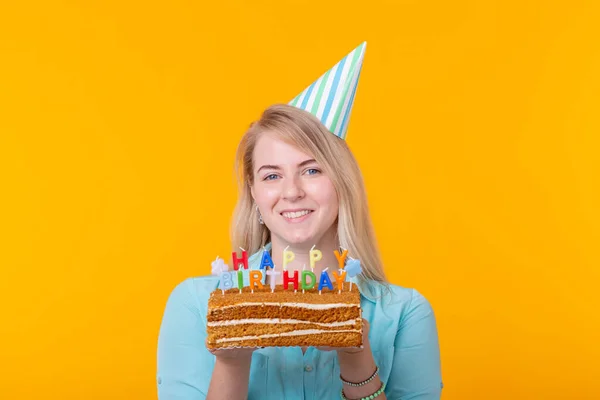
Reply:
x=353, y=268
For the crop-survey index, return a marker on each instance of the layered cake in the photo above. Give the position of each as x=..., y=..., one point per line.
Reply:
x=265, y=318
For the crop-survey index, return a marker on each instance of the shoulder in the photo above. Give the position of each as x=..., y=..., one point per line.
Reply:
x=396, y=303
x=193, y=293
x=411, y=300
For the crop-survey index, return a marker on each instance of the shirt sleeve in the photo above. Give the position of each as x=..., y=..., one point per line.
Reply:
x=184, y=365
x=416, y=370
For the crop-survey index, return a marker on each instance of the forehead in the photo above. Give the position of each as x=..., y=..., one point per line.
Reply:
x=270, y=149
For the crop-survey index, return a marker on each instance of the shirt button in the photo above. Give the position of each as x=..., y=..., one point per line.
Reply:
x=308, y=368
x=159, y=380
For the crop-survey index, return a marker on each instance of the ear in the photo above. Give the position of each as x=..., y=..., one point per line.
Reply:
x=252, y=192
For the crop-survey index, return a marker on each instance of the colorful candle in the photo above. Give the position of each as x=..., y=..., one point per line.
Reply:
x=255, y=279
x=353, y=268
x=325, y=280
x=237, y=261
x=313, y=280
x=266, y=260
x=226, y=281
x=218, y=266
x=273, y=274
x=315, y=255
x=287, y=280
x=240, y=278
x=341, y=258
x=340, y=278
x=288, y=257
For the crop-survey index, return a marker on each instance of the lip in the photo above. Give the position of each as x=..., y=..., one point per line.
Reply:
x=295, y=210
x=297, y=220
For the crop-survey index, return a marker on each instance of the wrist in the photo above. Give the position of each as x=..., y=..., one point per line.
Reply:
x=239, y=361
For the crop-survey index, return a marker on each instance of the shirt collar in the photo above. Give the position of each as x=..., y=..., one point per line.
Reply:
x=370, y=290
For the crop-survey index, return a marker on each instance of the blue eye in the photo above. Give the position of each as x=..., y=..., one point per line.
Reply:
x=313, y=169
x=268, y=176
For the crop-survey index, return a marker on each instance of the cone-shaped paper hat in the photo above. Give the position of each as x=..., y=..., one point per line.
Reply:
x=330, y=98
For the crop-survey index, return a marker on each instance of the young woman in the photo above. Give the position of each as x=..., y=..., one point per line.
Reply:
x=300, y=186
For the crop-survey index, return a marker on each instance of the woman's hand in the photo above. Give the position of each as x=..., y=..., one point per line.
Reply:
x=231, y=374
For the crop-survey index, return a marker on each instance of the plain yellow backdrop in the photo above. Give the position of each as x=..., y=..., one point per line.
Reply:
x=475, y=124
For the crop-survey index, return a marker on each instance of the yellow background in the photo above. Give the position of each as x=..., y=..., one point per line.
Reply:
x=476, y=127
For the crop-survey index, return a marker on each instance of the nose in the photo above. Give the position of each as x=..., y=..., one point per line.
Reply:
x=292, y=189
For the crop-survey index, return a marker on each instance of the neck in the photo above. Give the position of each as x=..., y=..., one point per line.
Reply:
x=327, y=244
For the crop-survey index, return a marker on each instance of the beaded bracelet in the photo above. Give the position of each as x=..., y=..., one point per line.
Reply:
x=370, y=397
x=363, y=382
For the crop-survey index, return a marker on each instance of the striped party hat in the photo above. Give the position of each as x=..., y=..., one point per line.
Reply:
x=330, y=98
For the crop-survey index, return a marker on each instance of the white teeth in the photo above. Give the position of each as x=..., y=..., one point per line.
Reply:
x=296, y=214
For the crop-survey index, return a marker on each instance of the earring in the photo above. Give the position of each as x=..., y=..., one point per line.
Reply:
x=260, y=220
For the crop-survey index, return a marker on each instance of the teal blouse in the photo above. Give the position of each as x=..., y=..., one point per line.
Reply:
x=403, y=337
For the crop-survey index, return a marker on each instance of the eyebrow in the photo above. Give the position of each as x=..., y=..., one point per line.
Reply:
x=278, y=168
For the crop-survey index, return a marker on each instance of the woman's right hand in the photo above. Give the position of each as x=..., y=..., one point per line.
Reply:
x=231, y=374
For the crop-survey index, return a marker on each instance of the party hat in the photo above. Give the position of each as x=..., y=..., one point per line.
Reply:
x=330, y=98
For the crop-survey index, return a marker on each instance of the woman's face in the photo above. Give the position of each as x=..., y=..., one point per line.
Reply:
x=298, y=202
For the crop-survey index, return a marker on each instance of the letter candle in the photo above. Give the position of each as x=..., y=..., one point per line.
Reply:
x=313, y=280
x=266, y=260
x=340, y=279
x=240, y=277
x=302, y=277
x=255, y=279
x=237, y=261
x=315, y=255
x=288, y=257
x=226, y=281
x=287, y=280
x=273, y=274
x=340, y=258
x=325, y=280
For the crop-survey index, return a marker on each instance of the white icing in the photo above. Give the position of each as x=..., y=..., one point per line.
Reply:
x=310, y=306
x=292, y=333
x=279, y=321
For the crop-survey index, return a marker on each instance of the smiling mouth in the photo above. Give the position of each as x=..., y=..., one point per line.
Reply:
x=296, y=216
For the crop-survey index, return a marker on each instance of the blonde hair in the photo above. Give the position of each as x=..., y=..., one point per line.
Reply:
x=304, y=131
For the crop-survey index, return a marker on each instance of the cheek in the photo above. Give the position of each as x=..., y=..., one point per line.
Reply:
x=265, y=195
x=326, y=196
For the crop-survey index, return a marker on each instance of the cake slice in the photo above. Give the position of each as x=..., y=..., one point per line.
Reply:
x=284, y=318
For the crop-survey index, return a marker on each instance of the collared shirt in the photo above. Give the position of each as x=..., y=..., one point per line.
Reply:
x=403, y=338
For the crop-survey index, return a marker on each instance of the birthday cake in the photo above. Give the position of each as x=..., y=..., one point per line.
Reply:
x=284, y=317
x=297, y=313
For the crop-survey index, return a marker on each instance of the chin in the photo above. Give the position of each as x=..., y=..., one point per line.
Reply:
x=298, y=238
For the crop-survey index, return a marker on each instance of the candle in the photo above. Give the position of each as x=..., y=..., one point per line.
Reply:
x=313, y=280
x=353, y=268
x=325, y=280
x=302, y=277
x=237, y=261
x=273, y=274
x=340, y=258
x=288, y=256
x=240, y=277
x=287, y=280
x=315, y=255
x=339, y=278
x=266, y=260
x=218, y=266
x=226, y=281
x=255, y=279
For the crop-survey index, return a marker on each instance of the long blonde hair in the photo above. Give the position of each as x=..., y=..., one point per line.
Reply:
x=303, y=130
